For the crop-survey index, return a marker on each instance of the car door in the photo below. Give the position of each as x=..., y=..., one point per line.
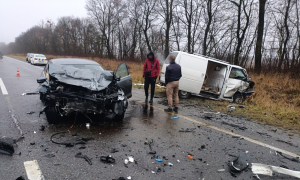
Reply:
x=125, y=79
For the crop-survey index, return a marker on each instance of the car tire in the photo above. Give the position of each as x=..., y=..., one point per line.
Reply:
x=238, y=98
x=120, y=117
x=52, y=116
x=184, y=94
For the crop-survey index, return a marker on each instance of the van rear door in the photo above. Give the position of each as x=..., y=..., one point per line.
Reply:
x=166, y=63
x=193, y=70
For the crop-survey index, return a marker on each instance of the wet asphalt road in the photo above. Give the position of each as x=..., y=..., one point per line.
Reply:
x=142, y=123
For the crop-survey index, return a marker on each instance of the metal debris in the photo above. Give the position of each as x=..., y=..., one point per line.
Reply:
x=268, y=170
x=79, y=155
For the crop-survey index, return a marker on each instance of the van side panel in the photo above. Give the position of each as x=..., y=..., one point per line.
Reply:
x=193, y=70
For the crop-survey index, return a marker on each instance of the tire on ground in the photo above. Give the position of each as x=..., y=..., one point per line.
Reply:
x=184, y=94
x=52, y=116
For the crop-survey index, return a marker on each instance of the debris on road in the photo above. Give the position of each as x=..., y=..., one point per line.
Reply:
x=268, y=170
x=239, y=164
x=34, y=93
x=79, y=155
x=234, y=105
x=49, y=155
x=221, y=170
x=20, y=178
x=190, y=156
x=175, y=117
x=107, y=159
x=114, y=150
x=6, y=148
x=70, y=143
x=170, y=164
x=42, y=128
x=31, y=112
x=297, y=159
x=130, y=158
x=187, y=130
x=256, y=177
x=286, y=142
x=120, y=178
x=159, y=159
x=234, y=125
x=32, y=143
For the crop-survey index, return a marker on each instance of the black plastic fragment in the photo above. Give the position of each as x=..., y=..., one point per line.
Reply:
x=297, y=159
x=234, y=125
x=6, y=148
x=49, y=155
x=79, y=155
x=107, y=159
x=239, y=164
x=20, y=178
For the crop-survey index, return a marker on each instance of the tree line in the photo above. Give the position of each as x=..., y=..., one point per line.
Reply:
x=253, y=33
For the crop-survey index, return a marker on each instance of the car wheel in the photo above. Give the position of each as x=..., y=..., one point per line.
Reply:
x=238, y=98
x=52, y=116
x=120, y=117
x=184, y=94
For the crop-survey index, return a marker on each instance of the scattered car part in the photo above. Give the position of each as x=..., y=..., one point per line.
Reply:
x=79, y=155
x=20, y=178
x=70, y=143
x=6, y=148
x=159, y=159
x=130, y=159
x=235, y=105
x=187, y=130
x=31, y=112
x=176, y=117
x=114, y=150
x=107, y=159
x=239, y=164
x=297, y=159
x=234, y=125
x=268, y=170
x=49, y=155
x=120, y=178
x=190, y=156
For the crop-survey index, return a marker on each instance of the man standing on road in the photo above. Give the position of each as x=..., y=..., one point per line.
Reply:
x=173, y=74
x=150, y=73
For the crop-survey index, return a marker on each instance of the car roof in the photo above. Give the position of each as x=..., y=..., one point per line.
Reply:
x=39, y=54
x=213, y=60
x=73, y=61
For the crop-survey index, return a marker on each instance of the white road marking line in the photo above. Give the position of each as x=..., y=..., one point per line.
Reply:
x=229, y=132
x=3, y=88
x=23, y=62
x=33, y=170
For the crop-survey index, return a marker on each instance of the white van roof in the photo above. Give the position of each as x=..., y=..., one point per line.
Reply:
x=212, y=59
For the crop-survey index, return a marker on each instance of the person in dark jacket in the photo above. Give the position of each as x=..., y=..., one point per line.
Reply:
x=173, y=74
x=150, y=74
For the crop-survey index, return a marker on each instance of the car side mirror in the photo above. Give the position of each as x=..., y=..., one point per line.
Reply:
x=41, y=79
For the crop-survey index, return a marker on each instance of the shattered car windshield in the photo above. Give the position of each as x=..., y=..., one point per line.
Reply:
x=87, y=66
x=237, y=74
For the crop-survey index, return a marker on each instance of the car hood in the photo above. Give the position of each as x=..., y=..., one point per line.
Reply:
x=93, y=80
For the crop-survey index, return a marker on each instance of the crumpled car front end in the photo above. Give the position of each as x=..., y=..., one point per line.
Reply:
x=70, y=90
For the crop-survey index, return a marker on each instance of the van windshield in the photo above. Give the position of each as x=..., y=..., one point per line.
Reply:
x=167, y=59
x=237, y=74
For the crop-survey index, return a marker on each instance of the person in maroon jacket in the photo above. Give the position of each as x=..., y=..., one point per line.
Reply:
x=150, y=74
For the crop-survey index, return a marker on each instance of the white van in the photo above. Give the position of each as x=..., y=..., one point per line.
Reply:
x=210, y=78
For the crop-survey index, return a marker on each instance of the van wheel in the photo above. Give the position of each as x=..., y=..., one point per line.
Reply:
x=52, y=116
x=184, y=94
x=238, y=98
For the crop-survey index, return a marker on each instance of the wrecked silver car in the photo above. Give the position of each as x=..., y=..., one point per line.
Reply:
x=70, y=86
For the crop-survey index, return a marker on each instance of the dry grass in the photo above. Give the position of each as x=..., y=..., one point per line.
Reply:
x=276, y=101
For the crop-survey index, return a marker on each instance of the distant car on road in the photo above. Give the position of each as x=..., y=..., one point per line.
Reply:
x=71, y=86
x=38, y=59
x=28, y=56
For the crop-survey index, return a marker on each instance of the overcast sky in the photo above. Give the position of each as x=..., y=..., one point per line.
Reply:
x=17, y=16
